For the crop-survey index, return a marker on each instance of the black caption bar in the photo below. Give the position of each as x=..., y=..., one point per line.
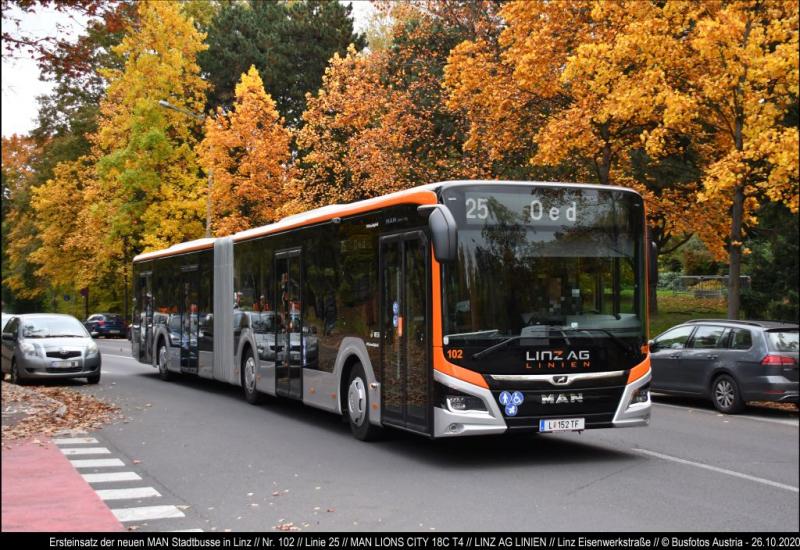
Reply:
x=438, y=541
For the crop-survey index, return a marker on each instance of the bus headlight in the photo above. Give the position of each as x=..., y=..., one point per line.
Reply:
x=464, y=403
x=642, y=395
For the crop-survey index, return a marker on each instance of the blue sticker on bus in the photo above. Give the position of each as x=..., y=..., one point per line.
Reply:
x=394, y=321
x=505, y=398
x=511, y=409
x=517, y=398
x=396, y=308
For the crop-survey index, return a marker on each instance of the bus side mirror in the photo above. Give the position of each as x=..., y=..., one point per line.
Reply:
x=652, y=261
x=444, y=231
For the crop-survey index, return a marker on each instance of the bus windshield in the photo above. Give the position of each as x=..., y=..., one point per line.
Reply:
x=536, y=259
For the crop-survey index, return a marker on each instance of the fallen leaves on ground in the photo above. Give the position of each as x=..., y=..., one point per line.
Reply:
x=48, y=410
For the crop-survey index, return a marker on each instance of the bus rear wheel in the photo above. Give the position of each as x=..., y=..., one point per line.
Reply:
x=161, y=357
x=251, y=394
x=358, y=405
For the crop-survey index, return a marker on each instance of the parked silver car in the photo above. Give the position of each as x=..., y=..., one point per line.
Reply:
x=46, y=346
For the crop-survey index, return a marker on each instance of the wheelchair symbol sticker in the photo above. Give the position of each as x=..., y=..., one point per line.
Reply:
x=511, y=402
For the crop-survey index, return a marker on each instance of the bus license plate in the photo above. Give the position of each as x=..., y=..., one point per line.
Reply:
x=64, y=364
x=561, y=424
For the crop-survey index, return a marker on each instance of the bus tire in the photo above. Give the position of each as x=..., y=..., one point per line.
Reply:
x=161, y=359
x=251, y=394
x=358, y=405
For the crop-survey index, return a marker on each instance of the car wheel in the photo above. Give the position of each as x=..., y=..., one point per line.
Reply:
x=725, y=395
x=161, y=357
x=15, y=376
x=251, y=394
x=94, y=379
x=358, y=406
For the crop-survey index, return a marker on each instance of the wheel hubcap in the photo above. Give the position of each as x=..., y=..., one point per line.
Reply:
x=357, y=401
x=162, y=359
x=250, y=375
x=724, y=393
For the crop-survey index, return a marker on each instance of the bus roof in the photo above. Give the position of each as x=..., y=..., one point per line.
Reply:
x=423, y=194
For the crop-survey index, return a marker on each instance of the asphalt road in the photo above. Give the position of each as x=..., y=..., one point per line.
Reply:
x=231, y=466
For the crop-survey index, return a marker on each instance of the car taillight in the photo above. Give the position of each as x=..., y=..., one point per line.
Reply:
x=777, y=360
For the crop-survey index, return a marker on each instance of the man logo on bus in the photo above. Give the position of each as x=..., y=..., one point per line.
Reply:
x=511, y=401
x=558, y=359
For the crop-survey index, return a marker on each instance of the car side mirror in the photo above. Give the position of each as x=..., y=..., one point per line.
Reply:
x=8, y=336
x=444, y=231
x=652, y=345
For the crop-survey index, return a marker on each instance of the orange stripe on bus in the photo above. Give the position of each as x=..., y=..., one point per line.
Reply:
x=412, y=196
x=448, y=368
x=639, y=370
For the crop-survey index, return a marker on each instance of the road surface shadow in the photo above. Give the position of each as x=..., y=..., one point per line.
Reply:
x=755, y=408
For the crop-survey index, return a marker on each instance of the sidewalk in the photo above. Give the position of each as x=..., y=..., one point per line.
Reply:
x=41, y=490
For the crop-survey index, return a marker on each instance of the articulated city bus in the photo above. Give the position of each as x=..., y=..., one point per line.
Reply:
x=455, y=308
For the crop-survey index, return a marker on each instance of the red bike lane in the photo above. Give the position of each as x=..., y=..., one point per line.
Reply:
x=42, y=491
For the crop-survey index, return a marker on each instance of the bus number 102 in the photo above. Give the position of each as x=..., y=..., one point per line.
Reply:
x=455, y=354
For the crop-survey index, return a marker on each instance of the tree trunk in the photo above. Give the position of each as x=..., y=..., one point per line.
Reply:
x=735, y=253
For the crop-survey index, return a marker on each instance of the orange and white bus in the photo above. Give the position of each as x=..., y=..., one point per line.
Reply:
x=455, y=308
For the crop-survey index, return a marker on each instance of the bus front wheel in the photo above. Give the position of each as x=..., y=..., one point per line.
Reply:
x=358, y=405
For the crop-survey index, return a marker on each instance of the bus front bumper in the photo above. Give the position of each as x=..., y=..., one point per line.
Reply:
x=450, y=423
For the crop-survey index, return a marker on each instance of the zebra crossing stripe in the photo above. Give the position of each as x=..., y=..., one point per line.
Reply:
x=74, y=441
x=123, y=494
x=86, y=451
x=111, y=476
x=147, y=513
x=98, y=463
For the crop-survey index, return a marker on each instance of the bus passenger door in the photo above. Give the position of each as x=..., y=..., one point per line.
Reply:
x=289, y=343
x=142, y=331
x=189, y=319
x=405, y=380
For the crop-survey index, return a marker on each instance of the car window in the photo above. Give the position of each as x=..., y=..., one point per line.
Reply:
x=53, y=327
x=782, y=340
x=11, y=326
x=674, y=338
x=708, y=337
x=741, y=339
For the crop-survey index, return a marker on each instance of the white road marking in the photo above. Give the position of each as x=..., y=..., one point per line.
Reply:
x=118, y=356
x=794, y=422
x=147, y=513
x=98, y=463
x=86, y=451
x=74, y=441
x=123, y=494
x=720, y=470
x=111, y=476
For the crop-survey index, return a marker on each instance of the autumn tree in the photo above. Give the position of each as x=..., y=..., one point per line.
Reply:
x=149, y=191
x=744, y=86
x=247, y=150
x=20, y=286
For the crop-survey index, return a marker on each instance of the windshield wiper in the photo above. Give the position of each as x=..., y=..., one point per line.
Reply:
x=66, y=336
x=627, y=348
x=500, y=345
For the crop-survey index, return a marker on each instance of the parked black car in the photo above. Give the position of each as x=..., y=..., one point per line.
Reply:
x=730, y=362
x=105, y=324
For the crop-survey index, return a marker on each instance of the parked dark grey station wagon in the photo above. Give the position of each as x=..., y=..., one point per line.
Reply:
x=730, y=362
